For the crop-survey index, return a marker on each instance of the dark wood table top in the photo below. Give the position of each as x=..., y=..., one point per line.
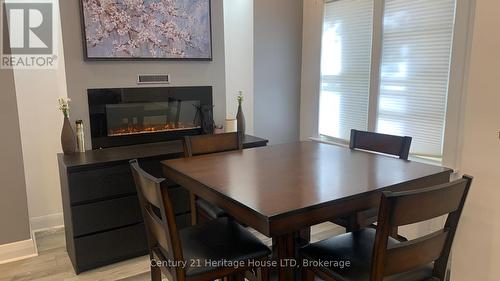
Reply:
x=277, y=180
x=280, y=190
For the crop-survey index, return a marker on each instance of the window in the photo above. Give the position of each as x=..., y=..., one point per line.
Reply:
x=411, y=90
x=345, y=67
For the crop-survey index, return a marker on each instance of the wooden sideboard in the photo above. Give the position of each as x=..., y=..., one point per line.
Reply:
x=102, y=218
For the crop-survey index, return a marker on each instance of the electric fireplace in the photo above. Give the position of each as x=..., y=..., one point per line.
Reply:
x=127, y=116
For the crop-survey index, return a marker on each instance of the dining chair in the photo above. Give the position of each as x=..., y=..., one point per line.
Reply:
x=201, y=210
x=196, y=253
x=375, y=256
x=381, y=143
x=397, y=146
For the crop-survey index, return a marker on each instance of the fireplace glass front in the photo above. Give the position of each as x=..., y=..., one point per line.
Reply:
x=140, y=118
x=142, y=115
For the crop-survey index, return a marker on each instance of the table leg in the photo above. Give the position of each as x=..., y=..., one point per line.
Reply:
x=305, y=236
x=287, y=249
x=304, y=239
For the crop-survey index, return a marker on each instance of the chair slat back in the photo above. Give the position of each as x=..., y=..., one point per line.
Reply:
x=402, y=208
x=158, y=215
x=205, y=144
x=412, y=254
x=382, y=143
x=421, y=205
x=155, y=226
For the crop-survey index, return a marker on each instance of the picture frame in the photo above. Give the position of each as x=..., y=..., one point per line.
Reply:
x=118, y=32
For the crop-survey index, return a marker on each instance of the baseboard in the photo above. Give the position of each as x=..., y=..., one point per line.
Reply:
x=46, y=222
x=18, y=251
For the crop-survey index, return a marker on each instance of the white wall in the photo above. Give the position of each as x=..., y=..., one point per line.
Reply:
x=238, y=45
x=14, y=218
x=277, y=67
x=40, y=123
x=477, y=246
x=311, y=66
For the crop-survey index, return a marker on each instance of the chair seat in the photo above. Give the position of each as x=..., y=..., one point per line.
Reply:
x=357, y=248
x=209, y=209
x=219, y=239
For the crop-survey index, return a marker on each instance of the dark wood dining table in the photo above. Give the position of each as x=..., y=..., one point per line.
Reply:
x=279, y=190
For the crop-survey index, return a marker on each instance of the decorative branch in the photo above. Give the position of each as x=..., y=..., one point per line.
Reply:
x=64, y=106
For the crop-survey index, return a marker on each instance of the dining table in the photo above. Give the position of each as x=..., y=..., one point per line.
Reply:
x=282, y=189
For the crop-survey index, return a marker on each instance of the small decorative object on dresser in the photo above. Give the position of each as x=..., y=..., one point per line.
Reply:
x=205, y=118
x=68, y=141
x=231, y=125
x=80, y=136
x=239, y=116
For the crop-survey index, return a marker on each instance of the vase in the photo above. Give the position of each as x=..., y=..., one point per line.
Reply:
x=205, y=119
x=68, y=140
x=240, y=119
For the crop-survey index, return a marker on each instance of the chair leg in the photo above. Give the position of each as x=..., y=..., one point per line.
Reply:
x=155, y=273
x=194, y=211
x=394, y=232
x=264, y=273
x=240, y=277
x=237, y=276
x=307, y=275
x=353, y=224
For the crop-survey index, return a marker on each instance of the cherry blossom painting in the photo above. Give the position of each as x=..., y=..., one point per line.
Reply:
x=147, y=29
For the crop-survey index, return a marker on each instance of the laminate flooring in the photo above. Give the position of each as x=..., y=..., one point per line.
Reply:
x=53, y=264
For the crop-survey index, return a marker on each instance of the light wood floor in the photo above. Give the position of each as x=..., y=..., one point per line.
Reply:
x=53, y=264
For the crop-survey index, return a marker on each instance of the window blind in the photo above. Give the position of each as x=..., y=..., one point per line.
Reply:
x=417, y=39
x=345, y=67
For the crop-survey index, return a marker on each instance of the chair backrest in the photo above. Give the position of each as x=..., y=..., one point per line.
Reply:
x=205, y=144
x=157, y=211
x=403, y=208
x=387, y=144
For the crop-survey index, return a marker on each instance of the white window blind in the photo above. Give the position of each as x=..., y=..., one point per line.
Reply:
x=417, y=39
x=345, y=67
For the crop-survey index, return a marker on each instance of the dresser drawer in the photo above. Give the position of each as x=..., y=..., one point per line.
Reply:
x=100, y=183
x=105, y=215
x=109, y=247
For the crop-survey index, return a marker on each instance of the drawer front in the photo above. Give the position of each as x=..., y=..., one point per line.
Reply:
x=100, y=183
x=179, y=196
x=109, y=247
x=105, y=215
x=183, y=221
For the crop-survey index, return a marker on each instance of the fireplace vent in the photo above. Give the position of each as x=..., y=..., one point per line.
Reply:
x=153, y=79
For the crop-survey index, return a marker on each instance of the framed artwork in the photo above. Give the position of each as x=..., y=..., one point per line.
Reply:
x=146, y=29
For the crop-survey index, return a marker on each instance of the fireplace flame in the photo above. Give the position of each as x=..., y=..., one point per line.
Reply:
x=137, y=129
